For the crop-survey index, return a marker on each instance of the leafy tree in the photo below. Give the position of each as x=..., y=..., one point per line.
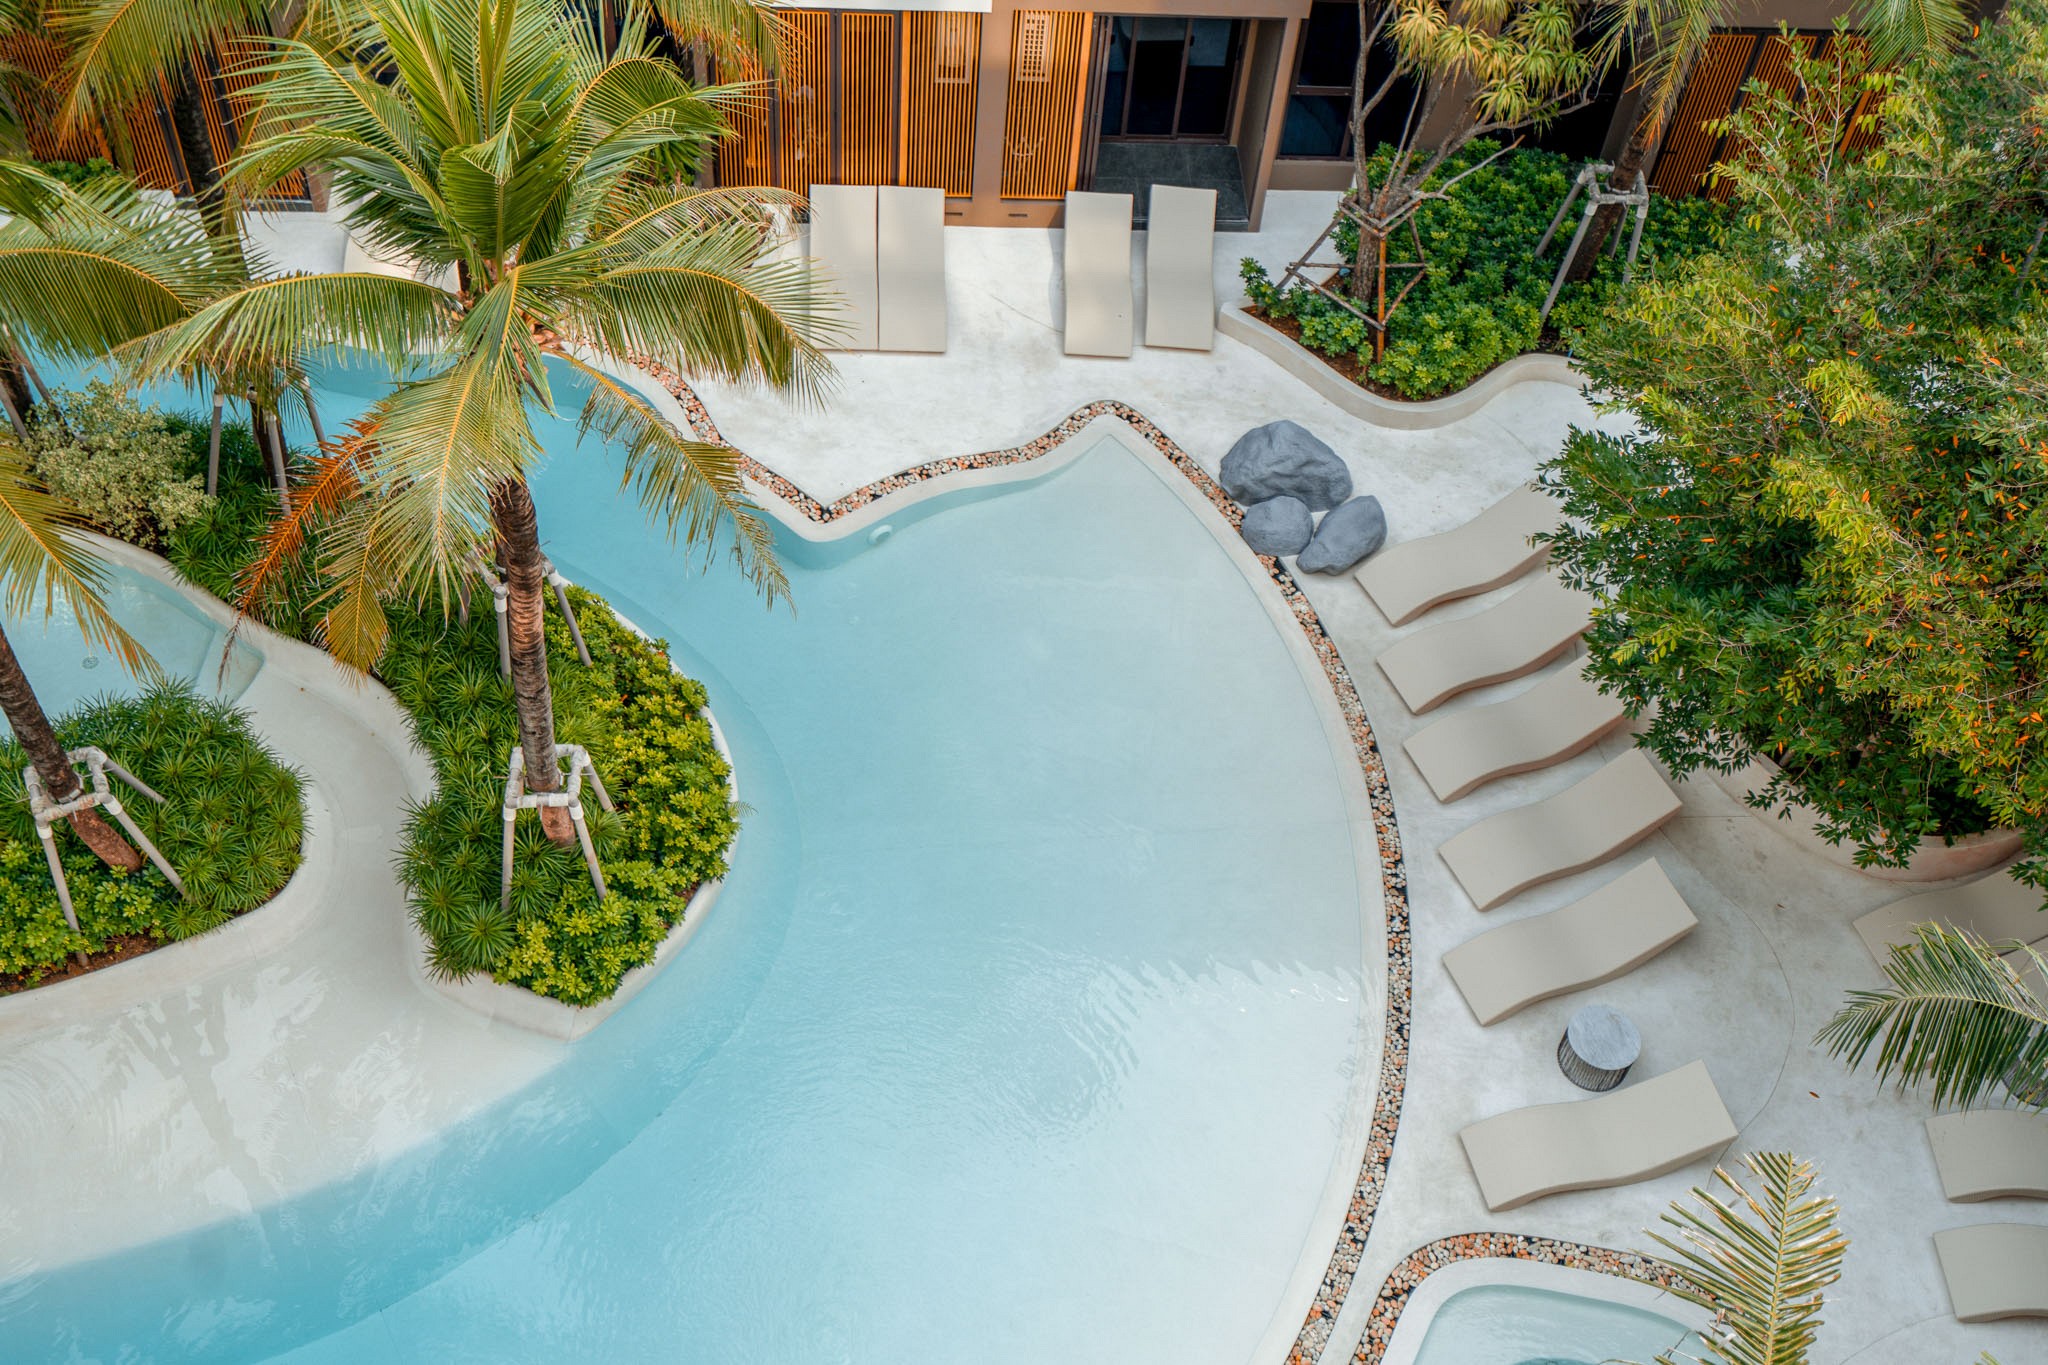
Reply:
x=1824, y=543
x=1662, y=41
x=1468, y=71
x=1956, y=1013
x=499, y=139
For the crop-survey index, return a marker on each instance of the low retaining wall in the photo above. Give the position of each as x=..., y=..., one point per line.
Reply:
x=1364, y=404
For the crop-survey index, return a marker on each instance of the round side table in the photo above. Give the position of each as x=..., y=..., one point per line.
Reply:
x=1598, y=1048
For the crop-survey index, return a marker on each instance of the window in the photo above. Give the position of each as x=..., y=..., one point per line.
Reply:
x=1319, y=102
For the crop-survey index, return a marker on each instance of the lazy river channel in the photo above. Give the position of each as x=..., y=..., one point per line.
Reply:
x=1027, y=1028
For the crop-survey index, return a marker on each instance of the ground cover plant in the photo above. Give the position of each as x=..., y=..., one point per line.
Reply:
x=231, y=822
x=1478, y=302
x=643, y=724
x=1824, y=544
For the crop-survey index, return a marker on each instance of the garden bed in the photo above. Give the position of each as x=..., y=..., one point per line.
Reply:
x=232, y=822
x=1479, y=303
x=643, y=724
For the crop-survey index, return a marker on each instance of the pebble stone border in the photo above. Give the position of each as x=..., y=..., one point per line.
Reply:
x=1404, y=1279
x=1386, y=1116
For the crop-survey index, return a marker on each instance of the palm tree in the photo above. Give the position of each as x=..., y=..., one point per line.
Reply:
x=497, y=137
x=1663, y=40
x=41, y=562
x=1956, y=1012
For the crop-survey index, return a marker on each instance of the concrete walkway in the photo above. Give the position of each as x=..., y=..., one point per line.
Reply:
x=288, y=1049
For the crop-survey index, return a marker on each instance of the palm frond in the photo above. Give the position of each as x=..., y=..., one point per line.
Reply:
x=269, y=324
x=122, y=49
x=1957, y=1013
x=714, y=302
x=83, y=270
x=322, y=485
x=691, y=488
x=1899, y=30
x=734, y=31
x=1760, y=1260
x=42, y=560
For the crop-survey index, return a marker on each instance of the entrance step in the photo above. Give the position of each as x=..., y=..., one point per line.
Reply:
x=1133, y=168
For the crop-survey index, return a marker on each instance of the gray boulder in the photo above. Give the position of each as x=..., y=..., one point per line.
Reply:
x=1278, y=526
x=1283, y=460
x=1347, y=535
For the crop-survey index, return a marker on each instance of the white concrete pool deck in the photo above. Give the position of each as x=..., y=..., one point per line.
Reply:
x=1770, y=961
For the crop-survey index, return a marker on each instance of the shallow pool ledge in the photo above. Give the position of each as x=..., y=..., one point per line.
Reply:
x=287, y=665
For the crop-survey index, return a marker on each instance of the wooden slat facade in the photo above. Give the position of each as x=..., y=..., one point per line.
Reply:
x=144, y=139
x=868, y=86
x=1043, y=118
x=941, y=78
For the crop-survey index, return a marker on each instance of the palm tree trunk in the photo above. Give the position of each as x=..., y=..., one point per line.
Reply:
x=195, y=149
x=60, y=779
x=19, y=398
x=518, y=528
x=1608, y=217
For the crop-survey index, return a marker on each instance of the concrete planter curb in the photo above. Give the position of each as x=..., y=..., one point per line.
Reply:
x=1933, y=861
x=1536, y=367
x=522, y=1008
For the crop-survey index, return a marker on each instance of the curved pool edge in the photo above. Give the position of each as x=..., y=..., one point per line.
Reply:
x=1320, y=1281
x=259, y=932
x=1434, y=1272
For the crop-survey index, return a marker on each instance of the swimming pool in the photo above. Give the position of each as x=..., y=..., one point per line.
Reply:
x=1503, y=1324
x=1025, y=1028
x=66, y=669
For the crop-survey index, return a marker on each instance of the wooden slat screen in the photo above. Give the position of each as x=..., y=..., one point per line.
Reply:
x=941, y=74
x=803, y=104
x=231, y=105
x=1042, y=122
x=867, y=99
x=1689, y=146
x=1773, y=70
x=747, y=157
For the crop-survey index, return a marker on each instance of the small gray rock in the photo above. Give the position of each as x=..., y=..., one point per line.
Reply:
x=1278, y=526
x=1347, y=535
x=1284, y=460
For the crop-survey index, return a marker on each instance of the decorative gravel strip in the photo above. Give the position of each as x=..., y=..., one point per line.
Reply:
x=1379, y=1147
x=1425, y=1261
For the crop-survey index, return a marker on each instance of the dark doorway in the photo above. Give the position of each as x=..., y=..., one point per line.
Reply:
x=1170, y=79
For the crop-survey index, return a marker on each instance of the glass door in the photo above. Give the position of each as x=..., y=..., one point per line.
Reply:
x=1170, y=79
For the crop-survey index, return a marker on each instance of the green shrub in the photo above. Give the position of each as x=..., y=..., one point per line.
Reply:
x=128, y=468
x=232, y=822
x=642, y=723
x=1478, y=302
x=79, y=172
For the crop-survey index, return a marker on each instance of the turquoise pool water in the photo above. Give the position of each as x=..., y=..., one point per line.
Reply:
x=1499, y=1324
x=65, y=668
x=1022, y=1032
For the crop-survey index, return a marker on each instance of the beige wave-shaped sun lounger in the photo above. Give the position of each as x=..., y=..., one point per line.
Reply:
x=1493, y=548
x=843, y=246
x=1618, y=1138
x=1616, y=929
x=910, y=268
x=1994, y=907
x=1995, y=1270
x=1180, y=279
x=1558, y=717
x=1990, y=1154
x=1585, y=824
x=1515, y=636
x=1096, y=274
